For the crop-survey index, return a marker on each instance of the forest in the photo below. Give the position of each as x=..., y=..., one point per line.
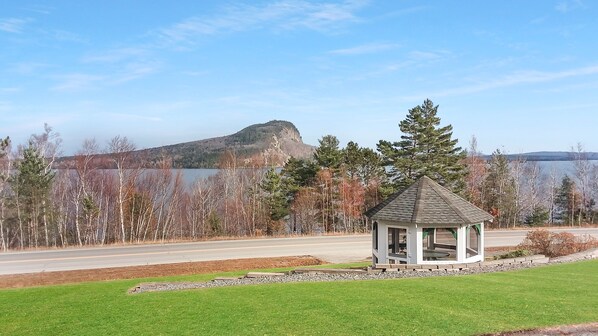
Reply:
x=82, y=204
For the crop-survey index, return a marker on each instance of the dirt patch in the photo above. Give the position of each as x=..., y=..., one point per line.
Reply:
x=590, y=329
x=188, y=268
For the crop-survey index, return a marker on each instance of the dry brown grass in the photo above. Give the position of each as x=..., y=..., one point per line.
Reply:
x=188, y=268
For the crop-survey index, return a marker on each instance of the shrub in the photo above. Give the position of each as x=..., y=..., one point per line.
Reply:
x=551, y=244
x=513, y=254
x=537, y=241
x=563, y=243
x=587, y=242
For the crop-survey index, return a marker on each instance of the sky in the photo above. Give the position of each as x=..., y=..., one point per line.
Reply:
x=520, y=76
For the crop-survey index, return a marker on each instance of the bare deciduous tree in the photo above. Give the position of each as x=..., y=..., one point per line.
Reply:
x=120, y=149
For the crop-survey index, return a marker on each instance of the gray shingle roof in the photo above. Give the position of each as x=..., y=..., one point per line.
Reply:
x=427, y=202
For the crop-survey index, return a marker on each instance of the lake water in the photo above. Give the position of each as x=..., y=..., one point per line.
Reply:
x=560, y=167
x=191, y=175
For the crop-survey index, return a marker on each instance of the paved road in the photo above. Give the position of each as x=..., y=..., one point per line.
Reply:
x=331, y=248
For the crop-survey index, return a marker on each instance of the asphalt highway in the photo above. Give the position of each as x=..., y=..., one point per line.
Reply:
x=330, y=248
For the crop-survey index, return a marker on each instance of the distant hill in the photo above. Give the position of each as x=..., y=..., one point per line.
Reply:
x=548, y=156
x=273, y=142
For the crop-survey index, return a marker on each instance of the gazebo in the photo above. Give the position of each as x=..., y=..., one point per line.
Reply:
x=427, y=224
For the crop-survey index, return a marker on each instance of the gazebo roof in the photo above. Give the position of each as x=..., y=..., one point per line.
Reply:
x=427, y=202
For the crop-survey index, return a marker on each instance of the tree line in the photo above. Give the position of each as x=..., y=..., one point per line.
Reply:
x=517, y=192
x=84, y=204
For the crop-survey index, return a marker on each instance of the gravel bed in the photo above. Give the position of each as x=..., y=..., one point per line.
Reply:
x=296, y=277
x=325, y=277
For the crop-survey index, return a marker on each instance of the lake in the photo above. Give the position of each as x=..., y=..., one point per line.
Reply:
x=561, y=168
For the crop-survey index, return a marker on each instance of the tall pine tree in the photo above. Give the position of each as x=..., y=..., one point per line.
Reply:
x=328, y=154
x=32, y=184
x=425, y=148
x=568, y=201
x=499, y=187
x=275, y=199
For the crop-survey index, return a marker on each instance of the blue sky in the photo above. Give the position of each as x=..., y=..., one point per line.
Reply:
x=519, y=75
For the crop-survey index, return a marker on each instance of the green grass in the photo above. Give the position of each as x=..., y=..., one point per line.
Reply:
x=462, y=305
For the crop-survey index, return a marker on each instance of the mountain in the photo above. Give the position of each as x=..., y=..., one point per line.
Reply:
x=273, y=143
x=548, y=156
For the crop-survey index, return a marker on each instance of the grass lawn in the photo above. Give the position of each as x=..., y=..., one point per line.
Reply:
x=461, y=305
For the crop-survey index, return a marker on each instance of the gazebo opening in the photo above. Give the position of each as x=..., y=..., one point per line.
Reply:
x=397, y=244
x=439, y=244
x=473, y=242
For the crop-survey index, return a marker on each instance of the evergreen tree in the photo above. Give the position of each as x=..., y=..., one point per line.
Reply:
x=298, y=173
x=568, y=201
x=32, y=184
x=4, y=143
x=538, y=216
x=275, y=199
x=352, y=159
x=364, y=165
x=425, y=148
x=499, y=188
x=328, y=155
x=371, y=168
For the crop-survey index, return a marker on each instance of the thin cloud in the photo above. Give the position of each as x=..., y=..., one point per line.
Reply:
x=13, y=25
x=569, y=6
x=539, y=20
x=116, y=55
x=592, y=85
x=39, y=9
x=286, y=14
x=81, y=81
x=195, y=73
x=412, y=60
x=570, y=30
x=323, y=16
x=77, y=82
x=427, y=55
x=125, y=64
x=27, y=68
x=365, y=49
x=63, y=35
x=518, y=78
x=405, y=11
x=9, y=89
x=418, y=58
x=135, y=71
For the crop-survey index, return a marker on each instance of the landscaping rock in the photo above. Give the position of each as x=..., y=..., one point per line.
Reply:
x=263, y=274
x=410, y=271
x=226, y=278
x=329, y=270
x=544, y=260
